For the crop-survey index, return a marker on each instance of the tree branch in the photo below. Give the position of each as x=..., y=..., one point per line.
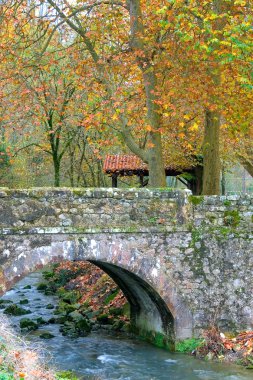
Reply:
x=32, y=144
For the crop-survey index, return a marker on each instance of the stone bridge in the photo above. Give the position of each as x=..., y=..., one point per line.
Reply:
x=183, y=262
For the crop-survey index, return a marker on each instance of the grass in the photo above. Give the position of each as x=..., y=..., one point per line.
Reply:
x=18, y=360
x=188, y=345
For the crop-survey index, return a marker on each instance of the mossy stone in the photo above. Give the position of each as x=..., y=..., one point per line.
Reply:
x=50, y=306
x=5, y=301
x=116, y=310
x=46, y=335
x=41, y=321
x=24, y=302
x=42, y=286
x=232, y=218
x=28, y=324
x=16, y=310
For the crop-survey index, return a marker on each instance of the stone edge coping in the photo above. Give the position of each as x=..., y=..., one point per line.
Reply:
x=114, y=230
x=89, y=230
x=98, y=193
x=131, y=193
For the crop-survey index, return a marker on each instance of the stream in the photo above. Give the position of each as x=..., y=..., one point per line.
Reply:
x=104, y=356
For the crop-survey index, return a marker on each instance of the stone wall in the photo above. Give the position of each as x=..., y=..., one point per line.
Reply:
x=182, y=260
x=82, y=210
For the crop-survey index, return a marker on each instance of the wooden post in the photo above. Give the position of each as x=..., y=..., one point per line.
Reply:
x=115, y=180
x=141, y=177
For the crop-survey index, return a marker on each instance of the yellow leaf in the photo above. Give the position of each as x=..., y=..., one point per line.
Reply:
x=115, y=117
x=194, y=127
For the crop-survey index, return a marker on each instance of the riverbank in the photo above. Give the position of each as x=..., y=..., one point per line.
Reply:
x=20, y=360
x=237, y=349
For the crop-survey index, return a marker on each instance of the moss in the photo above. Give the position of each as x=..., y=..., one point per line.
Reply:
x=16, y=310
x=111, y=297
x=28, y=325
x=78, y=192
x=41, y=286
x=64, y=308
x=188, y=345
x=196, y=199
x=115, y=311
x=157, y=339
x=227, y=203
x=48, y=274
x=232, y=218
x=46, y=335
x=103, y=319
x=224, y=231
x=196, y=236
x=163, y=189
x=131, y=229
x=5, y=301
x=211, y=217
x=24, y=302
x=153, y=219
x=66, y=375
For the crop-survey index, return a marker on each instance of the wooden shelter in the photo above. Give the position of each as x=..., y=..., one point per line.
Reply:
x=129, y=165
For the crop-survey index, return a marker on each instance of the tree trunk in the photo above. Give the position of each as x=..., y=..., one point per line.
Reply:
x=247, y=164
x=155, y=163
x=211, y=154
x=154, y=154
x=56, y=172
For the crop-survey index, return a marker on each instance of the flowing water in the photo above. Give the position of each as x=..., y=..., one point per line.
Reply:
x=107, y=357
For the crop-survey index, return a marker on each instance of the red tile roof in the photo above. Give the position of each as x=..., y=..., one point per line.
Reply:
x=126, y=162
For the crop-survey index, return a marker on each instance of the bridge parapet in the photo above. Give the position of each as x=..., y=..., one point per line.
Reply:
x=42, y=210
x=223, y=213
x=65, y=210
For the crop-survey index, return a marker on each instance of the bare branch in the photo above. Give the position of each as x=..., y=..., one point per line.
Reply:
x=32, y=144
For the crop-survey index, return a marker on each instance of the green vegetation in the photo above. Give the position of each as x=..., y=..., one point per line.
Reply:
x=16, y=310
x=188, y=345
x=66, y=375
x=28, y=325
x=41, y=286
x=196, y=199
x=6, y=376
x=111, y=297
x=232, y=218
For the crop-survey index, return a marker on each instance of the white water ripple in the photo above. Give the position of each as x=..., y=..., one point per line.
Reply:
x=114, y=359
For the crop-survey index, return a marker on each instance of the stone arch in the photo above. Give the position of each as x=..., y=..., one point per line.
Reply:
x=150, y=316
x=157, y=310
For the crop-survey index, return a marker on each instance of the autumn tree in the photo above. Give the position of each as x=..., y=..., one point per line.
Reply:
x=128, y=36
x=217, y=37
x=157, y=74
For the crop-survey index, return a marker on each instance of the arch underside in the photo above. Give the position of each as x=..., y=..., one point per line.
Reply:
x=150, y=316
